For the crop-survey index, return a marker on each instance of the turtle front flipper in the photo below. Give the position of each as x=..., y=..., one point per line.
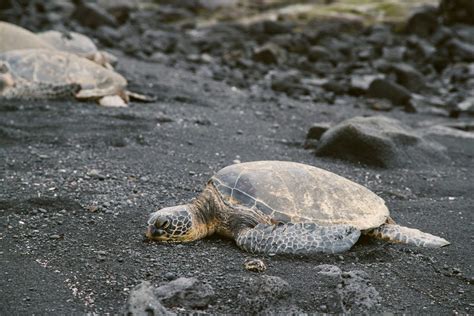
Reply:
x=301, y=238
x=399, y=234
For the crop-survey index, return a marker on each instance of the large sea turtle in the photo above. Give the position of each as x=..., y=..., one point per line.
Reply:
x=284, y=208
x=42, y=73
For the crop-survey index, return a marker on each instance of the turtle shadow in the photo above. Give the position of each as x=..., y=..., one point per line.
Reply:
x=368, y=250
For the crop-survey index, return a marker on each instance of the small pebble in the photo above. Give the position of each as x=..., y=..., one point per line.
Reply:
x=255, y=265
x=95, y=174
x=169, y=276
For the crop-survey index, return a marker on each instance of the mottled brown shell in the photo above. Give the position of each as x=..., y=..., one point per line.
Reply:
x=55, y=67
x=294, y=192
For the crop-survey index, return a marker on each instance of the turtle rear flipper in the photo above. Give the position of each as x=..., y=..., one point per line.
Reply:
x=140, y=97
x=400, y=234
x=301, y=238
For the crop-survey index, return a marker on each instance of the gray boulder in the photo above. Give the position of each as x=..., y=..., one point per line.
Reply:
x=328, y=299
x=265, y=294
x=344, y=292
x=142, y=301
x=357, y=294
x=186, y=292
x=378, y=141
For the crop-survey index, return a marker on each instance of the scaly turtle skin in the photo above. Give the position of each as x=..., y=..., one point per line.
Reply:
x=42, y=73
x=284, y=208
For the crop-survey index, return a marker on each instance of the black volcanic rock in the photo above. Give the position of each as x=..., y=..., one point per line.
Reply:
x=409, y=77
x=317, y=130
x=92, y=15
x=457, y=11
x=318, y=53
x=386, y=89
x=460, y=50
x=424, y=22
x=269, y=53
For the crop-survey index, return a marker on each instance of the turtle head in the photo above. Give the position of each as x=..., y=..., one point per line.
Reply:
x=174, y=224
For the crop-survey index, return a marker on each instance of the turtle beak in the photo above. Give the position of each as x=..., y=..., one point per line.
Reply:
x=152, y=232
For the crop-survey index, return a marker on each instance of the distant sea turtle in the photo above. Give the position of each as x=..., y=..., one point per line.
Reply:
x=42, y=73
x=14, y=37
x=284, y=208
x=79, y=44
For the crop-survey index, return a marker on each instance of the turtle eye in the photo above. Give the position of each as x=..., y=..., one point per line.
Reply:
x=165, y=224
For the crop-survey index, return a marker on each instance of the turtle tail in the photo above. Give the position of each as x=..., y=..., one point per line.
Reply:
x=392, y=232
